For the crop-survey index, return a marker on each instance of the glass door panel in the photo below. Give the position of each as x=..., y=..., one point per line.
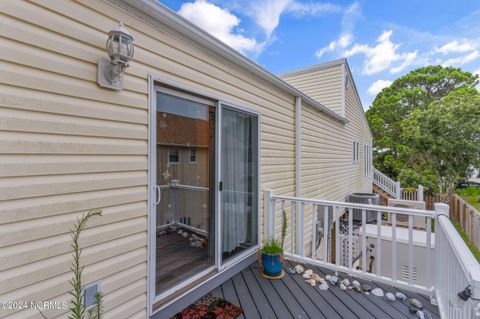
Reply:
x=239, y=182
x=185, y=244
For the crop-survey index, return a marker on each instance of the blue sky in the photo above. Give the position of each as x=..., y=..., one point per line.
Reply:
x=382, y=40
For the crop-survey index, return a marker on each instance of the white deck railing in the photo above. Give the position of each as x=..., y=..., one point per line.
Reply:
x=448, y=266
x=392, y=188
x=387, y=184
x=415, y=194
x=456, y=269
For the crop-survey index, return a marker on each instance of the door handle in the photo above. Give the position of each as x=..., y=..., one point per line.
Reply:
x=157, y=194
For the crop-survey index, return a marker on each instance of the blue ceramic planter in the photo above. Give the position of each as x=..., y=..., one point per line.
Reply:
x=272, y=264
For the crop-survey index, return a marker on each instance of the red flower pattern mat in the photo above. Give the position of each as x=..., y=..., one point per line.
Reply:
x=210, y=307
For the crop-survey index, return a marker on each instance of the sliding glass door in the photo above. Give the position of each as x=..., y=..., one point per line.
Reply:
x=205, y=188
x=238, y=182
x=185, y=245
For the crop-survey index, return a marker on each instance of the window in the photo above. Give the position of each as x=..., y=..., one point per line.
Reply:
x=193, y=156
x=173, y=156
x=356, y=147
x=368, y=161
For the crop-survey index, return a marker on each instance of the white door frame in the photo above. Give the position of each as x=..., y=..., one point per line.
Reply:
x=152, y=189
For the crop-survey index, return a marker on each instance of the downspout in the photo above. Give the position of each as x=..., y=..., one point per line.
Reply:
x=298, y=173
x=298, y=146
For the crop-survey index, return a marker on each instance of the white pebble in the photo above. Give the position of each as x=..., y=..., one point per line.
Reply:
x=342, y=286
x=306, y=276
x=309, y=272
x=377, y=292
x=323, y=286
x=299, y=269
x=390, y=296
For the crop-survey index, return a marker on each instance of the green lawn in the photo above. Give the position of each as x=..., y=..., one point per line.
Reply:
x=472, y=248
x=471, y=195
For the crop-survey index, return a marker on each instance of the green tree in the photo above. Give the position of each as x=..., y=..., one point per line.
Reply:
x=391, y=107
x=446, y=136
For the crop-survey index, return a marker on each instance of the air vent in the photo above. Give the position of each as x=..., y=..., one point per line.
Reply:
x=405, y=273
x=89, y=292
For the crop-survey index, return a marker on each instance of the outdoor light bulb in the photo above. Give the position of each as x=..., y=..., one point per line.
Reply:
x=120, y=46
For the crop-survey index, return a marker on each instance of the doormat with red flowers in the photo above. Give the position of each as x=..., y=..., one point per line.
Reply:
x=210, y=307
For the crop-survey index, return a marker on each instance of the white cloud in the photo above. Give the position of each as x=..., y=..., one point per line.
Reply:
x=350, y=16
x=220, y=23
x=378, y=86
x=382, y=56
x=409, y=58
x=313, y=8
x=267, y=13
x=461, y=60
x=455, y=46
x=343, y=42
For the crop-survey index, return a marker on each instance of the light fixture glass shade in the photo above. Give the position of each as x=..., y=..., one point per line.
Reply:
x=120, y=45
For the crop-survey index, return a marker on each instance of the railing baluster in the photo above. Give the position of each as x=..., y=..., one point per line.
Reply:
x=393, y=217
x=292, y=227
x=301, y=232
x=325, y=233
x=429, y=253
x=350, y=237
x=379, y=244
x=337, y=233
x=410, y=249
x=283, y=209
x=364, y=241
x=314, y=231
x=274, y=211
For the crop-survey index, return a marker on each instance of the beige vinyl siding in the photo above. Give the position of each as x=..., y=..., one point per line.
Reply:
x=323, y=84
x=68, y=146
x=328, y=170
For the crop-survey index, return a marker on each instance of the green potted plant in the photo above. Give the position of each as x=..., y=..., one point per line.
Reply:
x=272, y=253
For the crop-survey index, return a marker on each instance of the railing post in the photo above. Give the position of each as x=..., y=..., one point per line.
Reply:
x=398, y=192
x=267, y=214
x=420, y=193
x=441, y=209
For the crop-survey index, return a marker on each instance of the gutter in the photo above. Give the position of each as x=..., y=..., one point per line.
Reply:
x=160, y=14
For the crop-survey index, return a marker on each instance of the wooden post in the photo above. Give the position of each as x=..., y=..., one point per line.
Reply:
x=420, y=193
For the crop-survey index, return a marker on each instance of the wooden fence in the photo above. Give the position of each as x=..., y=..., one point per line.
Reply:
x=467, y=217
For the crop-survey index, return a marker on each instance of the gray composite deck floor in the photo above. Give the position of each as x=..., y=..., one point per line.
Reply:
x=291, y=297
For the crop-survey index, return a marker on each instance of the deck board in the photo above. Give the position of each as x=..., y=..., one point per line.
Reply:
x=291, y=297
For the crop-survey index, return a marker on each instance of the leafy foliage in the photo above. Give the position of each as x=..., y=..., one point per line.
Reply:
x=77, y=310
x=396, y=151
x=272, y=247
x=447, y=136
x=284, y=226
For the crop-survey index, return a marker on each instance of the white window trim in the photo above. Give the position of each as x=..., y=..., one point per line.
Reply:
x=190, y=156
x=174, y=163
x=154, y=82
x=356, y=152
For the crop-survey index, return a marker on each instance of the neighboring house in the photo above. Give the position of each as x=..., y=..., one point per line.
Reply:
x=198, y=128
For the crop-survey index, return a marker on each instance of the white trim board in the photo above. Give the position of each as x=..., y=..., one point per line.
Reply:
x=156, y=83
x=157, y=14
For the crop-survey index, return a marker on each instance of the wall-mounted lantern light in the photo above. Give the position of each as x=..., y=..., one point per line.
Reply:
x=120, y=50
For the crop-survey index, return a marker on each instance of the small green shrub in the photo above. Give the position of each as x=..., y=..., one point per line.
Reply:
x=77, y=310
x=272, y=247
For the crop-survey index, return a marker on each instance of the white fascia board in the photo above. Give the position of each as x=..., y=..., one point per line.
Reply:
x=157, y=12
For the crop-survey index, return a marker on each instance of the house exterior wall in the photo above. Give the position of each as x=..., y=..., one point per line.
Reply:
x=68, y=146
x=328, y=170
x=323, y=83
